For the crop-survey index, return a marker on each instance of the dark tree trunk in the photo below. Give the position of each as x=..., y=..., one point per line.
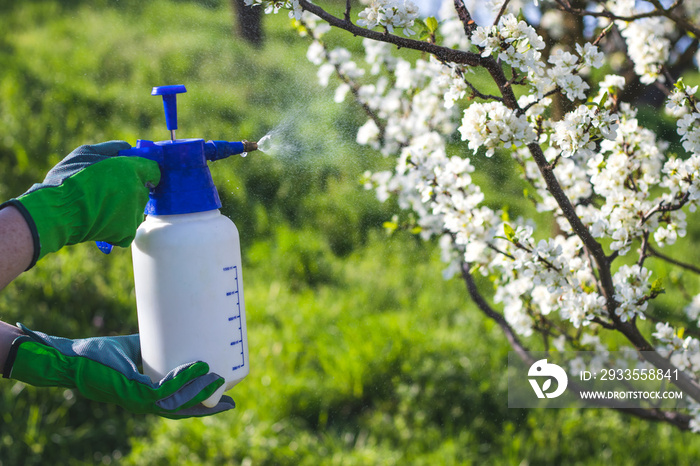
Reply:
x=248, y=24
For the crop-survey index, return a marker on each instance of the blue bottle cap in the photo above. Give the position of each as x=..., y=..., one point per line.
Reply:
x=186, y=185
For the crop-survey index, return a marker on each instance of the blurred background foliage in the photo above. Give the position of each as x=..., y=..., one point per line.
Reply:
x=362, y=353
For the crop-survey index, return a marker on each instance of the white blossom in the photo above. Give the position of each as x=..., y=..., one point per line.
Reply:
x=692, y=310
x=515, y=42
x=580, y=129
x=493, y=125
x=647, y=45
x=368, y=134
x=664, y=332
x=631, y=287
x=389, y=14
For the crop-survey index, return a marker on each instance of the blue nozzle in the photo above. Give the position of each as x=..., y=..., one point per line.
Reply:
x=169, y=94
x=217, y=150
x=104, y=246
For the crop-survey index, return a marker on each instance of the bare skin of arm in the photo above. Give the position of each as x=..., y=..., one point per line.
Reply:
x=16, y=249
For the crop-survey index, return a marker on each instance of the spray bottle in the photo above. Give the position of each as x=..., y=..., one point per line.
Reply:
x=187, y=261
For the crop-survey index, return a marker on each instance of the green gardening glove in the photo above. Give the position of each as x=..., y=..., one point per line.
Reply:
x=105, y=369
x=92, y=194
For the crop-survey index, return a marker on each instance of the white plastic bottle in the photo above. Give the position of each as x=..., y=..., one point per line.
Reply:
x=189, y=294
x=187, y=261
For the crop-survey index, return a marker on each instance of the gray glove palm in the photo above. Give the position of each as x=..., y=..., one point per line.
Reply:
x=106, y=369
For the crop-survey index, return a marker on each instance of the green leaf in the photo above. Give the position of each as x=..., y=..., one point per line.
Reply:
x=432, y=24
x=657, y=287
x=604, y=99
x=390, y=226
x=299, y=27
x=588, y=287
x=510, y=233
x=420, y=27
x=505, y=216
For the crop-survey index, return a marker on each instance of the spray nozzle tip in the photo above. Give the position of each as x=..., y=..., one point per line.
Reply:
x=249, y=146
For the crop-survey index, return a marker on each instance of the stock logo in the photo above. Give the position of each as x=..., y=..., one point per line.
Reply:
x=543, y=369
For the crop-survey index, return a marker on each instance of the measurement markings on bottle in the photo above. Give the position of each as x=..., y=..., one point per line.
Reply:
x=237, y=343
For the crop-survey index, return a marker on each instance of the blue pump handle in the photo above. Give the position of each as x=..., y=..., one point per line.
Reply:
x=169, y=94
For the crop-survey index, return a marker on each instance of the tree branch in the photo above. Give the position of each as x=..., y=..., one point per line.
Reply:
x=680, y=420
x=603, y=323
x=465, y=17
x=628, y=328
x=659, y=10
x=500, y=12
x=481, y=303
x=663, y=207
x=594, y=248
x=654, y=253
x=443, y=53
x=643, y=249
x=631, y=332
x=566, y=6
x=347, y=11
x=555, y=189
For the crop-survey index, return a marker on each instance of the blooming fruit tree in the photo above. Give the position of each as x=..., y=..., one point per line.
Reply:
x=555, y=88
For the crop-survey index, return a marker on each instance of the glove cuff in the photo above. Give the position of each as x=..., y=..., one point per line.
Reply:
x=32, y=227
x=12, y=355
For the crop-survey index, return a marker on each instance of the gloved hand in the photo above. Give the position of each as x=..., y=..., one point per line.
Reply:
x=90, y=195
x=105, y=369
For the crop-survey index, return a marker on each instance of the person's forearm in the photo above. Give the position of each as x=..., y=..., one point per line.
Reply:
x=16, y=245
x=16, y=249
